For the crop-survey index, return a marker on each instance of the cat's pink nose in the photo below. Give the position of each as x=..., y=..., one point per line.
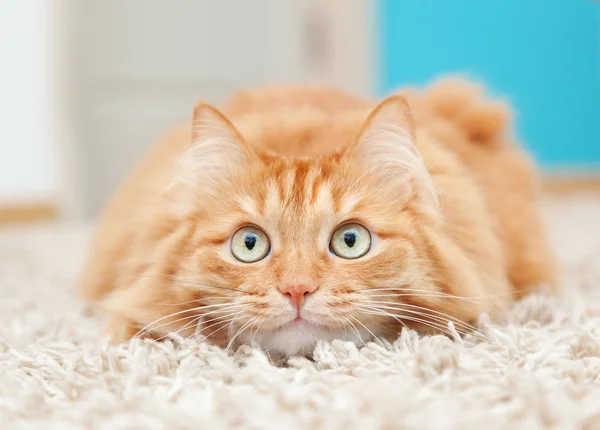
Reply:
x=297, y=292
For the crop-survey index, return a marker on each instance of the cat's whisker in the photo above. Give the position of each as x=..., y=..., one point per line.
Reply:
x=220, y=305
x=414, y=292
x=399, y=318
x=403, y=323
x=355, y=329
x=239, y=332
x=443, y=294
x=231, y=312
x=176, y=332
x=343, y=324
x=438, y=326
x=228, y=324
x=196, y=319
x=424, y=309
x=148, y=326
x=223, y=323
x=409, y=292
x=226, y=320
x=366, y=328
x=432, y=321
x=336, y=319
x=402, y=314
x=218, y=319
x=423, y=295
x=253, y=336
x=184, y=341
x=258, y=328
x=197, y=301
x=193, y=317
x=434, y=318
x=428, y=313
x=151, y=326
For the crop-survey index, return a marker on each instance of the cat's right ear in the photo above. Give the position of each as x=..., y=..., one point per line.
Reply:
x=386, y=148
x=217, y=153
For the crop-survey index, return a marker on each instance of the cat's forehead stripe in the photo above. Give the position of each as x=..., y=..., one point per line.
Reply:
x=301, y=188
x=272, y=199
x=301, y=177
x=348, y=204
x=306, y=188
x=324, y=199
x=248, y=205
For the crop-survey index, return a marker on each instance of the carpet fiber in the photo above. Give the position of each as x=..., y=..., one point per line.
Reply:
x=540, y=368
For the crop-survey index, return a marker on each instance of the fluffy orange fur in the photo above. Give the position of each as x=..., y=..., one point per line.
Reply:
x=448, y=198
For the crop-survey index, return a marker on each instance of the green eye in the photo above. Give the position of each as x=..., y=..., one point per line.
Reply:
x=250, y=244
x=350, y=241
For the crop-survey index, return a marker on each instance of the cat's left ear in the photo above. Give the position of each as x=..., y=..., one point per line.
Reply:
x=385, y=147
x=216, y=155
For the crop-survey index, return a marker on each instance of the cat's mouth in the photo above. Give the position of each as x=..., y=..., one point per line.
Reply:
x=300, y=336
x=301, y=321
x=303, y=324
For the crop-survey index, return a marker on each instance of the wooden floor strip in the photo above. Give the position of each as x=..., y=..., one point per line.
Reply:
x=27, y=213
x=566, y=185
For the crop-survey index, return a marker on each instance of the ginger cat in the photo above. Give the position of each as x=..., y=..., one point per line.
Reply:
x=303, y=213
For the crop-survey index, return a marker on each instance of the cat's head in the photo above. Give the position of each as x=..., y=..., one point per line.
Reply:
x=288, y=250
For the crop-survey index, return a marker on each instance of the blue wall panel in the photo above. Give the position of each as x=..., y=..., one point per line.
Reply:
x=543, y=55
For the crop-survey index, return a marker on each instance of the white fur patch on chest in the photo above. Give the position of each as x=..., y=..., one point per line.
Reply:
x=301, y=338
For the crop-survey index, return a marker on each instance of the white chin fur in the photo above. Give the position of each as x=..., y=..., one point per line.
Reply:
x=300, y=338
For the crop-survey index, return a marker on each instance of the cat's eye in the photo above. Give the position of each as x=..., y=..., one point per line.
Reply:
x=250, y=244
x=350, y=241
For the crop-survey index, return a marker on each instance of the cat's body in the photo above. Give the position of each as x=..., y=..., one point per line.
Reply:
x=454, y=227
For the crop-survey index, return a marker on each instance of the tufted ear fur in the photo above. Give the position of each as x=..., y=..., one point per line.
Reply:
x=386, y=146
x=216, y=153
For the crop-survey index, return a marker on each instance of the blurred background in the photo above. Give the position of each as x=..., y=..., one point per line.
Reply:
x=86, y=85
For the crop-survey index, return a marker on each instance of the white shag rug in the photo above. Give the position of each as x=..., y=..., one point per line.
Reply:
x=541, y=368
